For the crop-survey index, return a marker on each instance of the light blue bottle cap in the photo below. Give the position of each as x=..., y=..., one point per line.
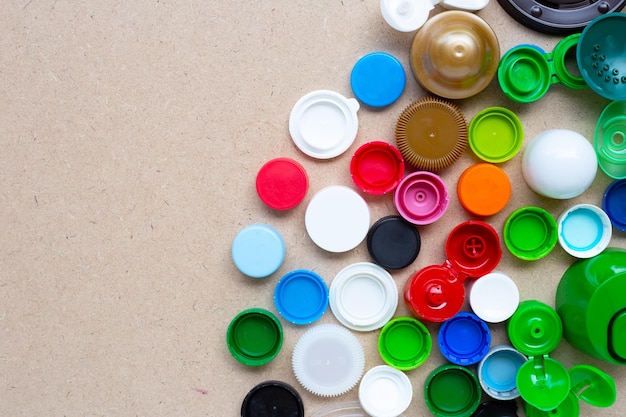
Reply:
x=584, y=230
x=258, y=250
x=464, y=339
x=378, y=79
x=497, y=372
x=301, y=296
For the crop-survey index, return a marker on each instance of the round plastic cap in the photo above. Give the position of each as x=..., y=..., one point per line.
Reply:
x=497, y=372
x=421, y=197
x=610, y=139
x=377, y=167
x=613, y=203
x=282, y=183
x=258, y=250
x=272, y=398
x=337, y=219
x=301, y=297
x=377, y=79
x=385, y=392
x=473, y=248
x=323, y=124
x=535, y=329
x=495, y=134
x=584, y=230
x=483, y=189
x=494, y=297
x=530, y=233
x=363, y=296
x=452, y=390
x=404, y=343
x=393, y=243
x=254, y=337
x=464, y=339
x=405, y=15
x=559, y=164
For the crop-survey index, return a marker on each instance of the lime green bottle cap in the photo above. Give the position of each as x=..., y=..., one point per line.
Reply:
x=452, y=391
x=495, y=134
x=524, y=74
x=404, y=343
x=254, y=337
x=530, y=233
x=535, y=328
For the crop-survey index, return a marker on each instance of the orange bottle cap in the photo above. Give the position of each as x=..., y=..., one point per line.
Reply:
x=484, y=189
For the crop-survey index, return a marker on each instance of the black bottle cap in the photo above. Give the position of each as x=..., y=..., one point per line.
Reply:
x=272, y=399
x=393, y=243
x=496, y=409
x=558, y=16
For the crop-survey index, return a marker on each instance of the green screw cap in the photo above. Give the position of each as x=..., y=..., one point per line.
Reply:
x=610, y=139
x=404, y=343
x=495, y=134
x=254, y=337
x=530, y=233
x=452, y=391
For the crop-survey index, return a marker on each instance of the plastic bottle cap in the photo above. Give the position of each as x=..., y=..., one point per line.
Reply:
x=404, y=343
x=600, y=390
x=530, y=233
x=377, y=79
x=406, y=15
x=363, y=296
x=377, y=167
x=497, y=372
x=452, y=390
x=393, y=243
x=431, y=134
x=600, y=56
x=301, y=297
x=494, y=297
x=323, y=124
x=610, y=139
x=385, y=392
x=543, y=383
x=584, y=230
x=559, y=164
x=613, y=203
x=483, y=189
x=495, y=134
x=497, y=409
x=464, y=339
x=258, y=250
x=254, y=337
x=328, y=360
x=337, y=219
x=468, y=5
x=282, y=183
x=436, y=293
x=421, y=197
x=455, y=55
x=558, y=16
x=272, y=398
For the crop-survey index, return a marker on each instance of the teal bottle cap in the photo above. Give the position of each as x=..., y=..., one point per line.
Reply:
x=600, y=56
x=584, y=230
x=609, y=140
x=526, y=72
x=495, y=134
x=258, y=250
x=254, y=337
x=404, y=343
x=452, y=391
x=530, y=233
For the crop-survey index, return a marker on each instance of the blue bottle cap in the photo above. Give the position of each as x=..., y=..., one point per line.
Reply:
x=258, y=250
x=301, y=296
x=378, y=79
x=497, y=372
x=464, y=339
x=613, y=203
x=584, y=230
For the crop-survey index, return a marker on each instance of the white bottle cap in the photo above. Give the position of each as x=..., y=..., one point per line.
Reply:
x=337, y=218
x=363, y=296
x=323, y=124
x=494, y=297
x=385, y=392
x=406, y=15
x=467, y=5
x=584, y=230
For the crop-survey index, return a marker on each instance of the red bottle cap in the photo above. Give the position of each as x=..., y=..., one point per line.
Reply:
x=436, y=293
x=282, y=183
x=377, y=167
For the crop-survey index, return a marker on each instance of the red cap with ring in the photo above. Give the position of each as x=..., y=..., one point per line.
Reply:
x=436, y=292
x=282, y=183
x=377, y=167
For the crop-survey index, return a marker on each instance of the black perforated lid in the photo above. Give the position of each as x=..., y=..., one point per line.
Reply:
x=558, y=16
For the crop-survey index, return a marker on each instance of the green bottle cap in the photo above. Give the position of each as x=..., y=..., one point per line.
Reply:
x=495, y=134
x=530, y=233
x=610, y=139
x=564, y=55
x=404, y=343
x=452, y=391
x=254, y=337
x=568, y=408
x=543, y=382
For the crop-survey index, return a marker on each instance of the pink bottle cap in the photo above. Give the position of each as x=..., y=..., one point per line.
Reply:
x=421, y=197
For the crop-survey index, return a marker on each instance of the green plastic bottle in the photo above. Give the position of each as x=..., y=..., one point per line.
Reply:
x=590, y=301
